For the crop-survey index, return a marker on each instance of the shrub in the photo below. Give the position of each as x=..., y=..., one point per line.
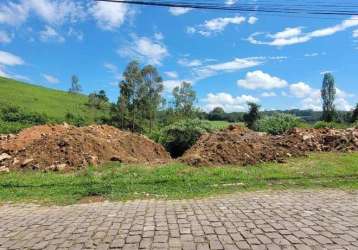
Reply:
x=278, y=123
x=11, y=127
x=180, y=136
x=75, y=119
x=253, y=115
x=14, y=114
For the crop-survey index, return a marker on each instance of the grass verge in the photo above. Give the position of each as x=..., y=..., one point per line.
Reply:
x=177, y=181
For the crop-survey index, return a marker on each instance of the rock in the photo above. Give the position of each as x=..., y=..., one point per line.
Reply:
x=4, y=156
x=15, y=161
x=27, y=162
x=4, y=169
x=61, y=167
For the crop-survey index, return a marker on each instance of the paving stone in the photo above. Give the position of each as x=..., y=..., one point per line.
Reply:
x=300, y=220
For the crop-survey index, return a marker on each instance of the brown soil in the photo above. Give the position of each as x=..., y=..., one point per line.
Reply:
x=240, y=146
x=64, y=147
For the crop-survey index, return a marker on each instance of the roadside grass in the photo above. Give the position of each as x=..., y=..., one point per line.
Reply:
x=218, y=125
x=177, y=181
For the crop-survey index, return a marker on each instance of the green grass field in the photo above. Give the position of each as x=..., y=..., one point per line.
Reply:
x=54, y=103
x=177, y=181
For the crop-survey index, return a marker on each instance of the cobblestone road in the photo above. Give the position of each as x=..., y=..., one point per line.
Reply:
x=257, y=220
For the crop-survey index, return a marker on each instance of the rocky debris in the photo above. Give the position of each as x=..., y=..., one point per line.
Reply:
x=65, y=147
x=4, y=156
x=240, y=146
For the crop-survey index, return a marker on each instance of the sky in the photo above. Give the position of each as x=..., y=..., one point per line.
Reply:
x=229, y=57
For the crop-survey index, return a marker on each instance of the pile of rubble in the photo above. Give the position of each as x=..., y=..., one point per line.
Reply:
x=240, y=146
x=65, y=147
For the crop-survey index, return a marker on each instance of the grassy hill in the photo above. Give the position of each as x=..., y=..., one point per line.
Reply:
x=54, y=104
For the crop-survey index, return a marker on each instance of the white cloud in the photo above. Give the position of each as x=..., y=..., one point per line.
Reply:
x=113, y=69
x=268, y=94
x=53, y=12
x=144, y=48
x=355, y=33
x=300, y=89
x=50, y=34
x=311, y=97
x=5, y=37
x=215, y=25
x=159, y=36
x=13, y=13
x=260, y=80
x=50, y=79
x=57, y=12
x=177, y=11
x=291, y=36
x=252, y=20
x=311, y=54
x=75, y=33
x=226, y=101
x=230, y=2
x=9, y=59
x=189, y=63
x=110, y=16
x=169, y=85
x=171, y=74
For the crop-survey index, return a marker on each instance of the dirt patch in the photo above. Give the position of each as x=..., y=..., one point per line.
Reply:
x=240, y=146
x=65, y=147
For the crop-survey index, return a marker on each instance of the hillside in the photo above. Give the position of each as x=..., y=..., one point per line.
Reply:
x=53, y=103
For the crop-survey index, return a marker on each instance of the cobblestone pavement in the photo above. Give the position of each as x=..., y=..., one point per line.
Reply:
x=255, y=220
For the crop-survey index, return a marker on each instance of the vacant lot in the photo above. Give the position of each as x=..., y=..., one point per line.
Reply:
x=177, y=181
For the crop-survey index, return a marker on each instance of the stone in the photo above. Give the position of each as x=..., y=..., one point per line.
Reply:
x=4, y=156
x=27, y=162
x=4, y=169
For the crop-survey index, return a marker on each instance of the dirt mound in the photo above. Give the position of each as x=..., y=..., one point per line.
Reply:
x=240, y=146
x=62, y=147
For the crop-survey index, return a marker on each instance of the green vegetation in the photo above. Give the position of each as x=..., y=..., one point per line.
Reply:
x=252, y=115
x=180, y=136
x=278, y=123
x=328, y=94
x=323, y=124
x=177, y=181
x=48, y=105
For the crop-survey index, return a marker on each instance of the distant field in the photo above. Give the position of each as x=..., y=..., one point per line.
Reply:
x=54, y=103
x=178, y=181
x=220, y=124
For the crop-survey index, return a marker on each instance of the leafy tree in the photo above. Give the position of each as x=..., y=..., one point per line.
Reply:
x=129, y=99
x=97, y=100
x=355, y=114
x=253, y=115
x=151, y=90
x=328, y=94
x=75, y=85
x=217, y=114
x=184, y=98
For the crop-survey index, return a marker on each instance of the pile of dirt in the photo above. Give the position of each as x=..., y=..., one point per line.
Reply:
x=240, y=146
x=64, y=147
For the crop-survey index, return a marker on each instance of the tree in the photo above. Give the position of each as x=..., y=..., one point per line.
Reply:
x=75, y=85
x=97, y=100
x=253, y=115
x=129, y=92
x=217, y=114
x=151, y=93
x=355, y=114
x=184, y=98
x=328, y=94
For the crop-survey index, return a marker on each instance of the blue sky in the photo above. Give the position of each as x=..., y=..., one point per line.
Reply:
x=229, y=57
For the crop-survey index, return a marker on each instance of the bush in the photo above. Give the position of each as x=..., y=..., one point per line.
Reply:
x=75, y=119
x=14, y=114
x=323, y=124
x=278, y=123
x=11, y=127
x=180, y=136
